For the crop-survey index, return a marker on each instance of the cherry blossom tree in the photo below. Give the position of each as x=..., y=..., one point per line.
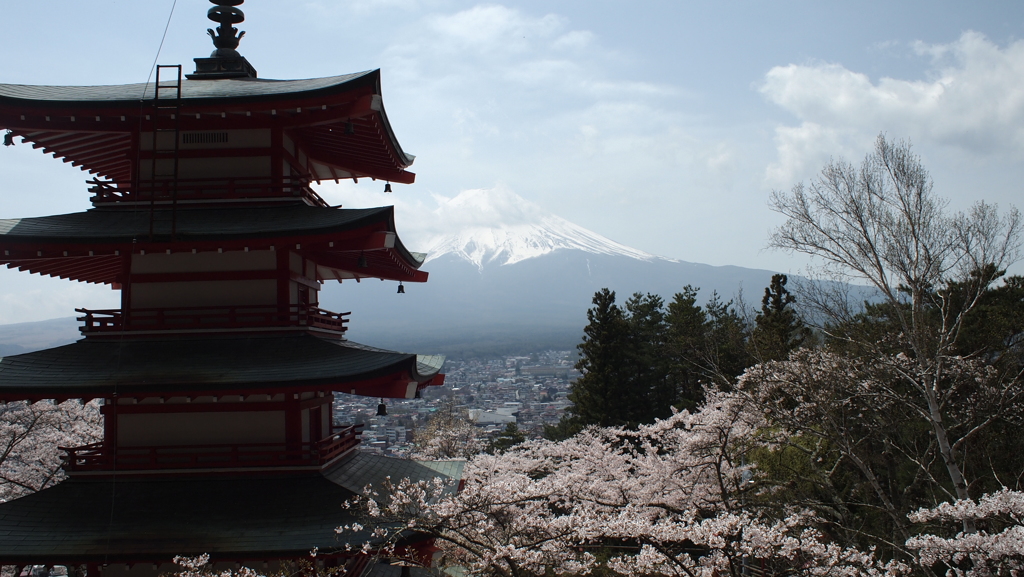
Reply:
x=863, y=433
x=449, y=434
x=30, y=434
x=997, y=548
x=200, y=566
x=669, y=498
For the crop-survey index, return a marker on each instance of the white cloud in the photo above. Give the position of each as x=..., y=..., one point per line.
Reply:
x=804, y=149
x=422, y=222
x=335, y=8
x=972, y=99
x=494, y=29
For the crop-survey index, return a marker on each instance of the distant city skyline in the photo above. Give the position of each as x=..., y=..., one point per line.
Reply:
x=663, y=126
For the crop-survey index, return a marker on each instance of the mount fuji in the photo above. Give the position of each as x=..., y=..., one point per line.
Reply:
x=507, y=276
x=501, y=227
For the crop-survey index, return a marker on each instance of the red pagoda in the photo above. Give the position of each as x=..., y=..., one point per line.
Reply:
x=217, y=374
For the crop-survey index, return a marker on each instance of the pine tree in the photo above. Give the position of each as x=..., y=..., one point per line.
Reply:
x=648, y=393
x=596, y=396
x=726, y=336
x=506, y=439
x=685, y=343
x=778, y=329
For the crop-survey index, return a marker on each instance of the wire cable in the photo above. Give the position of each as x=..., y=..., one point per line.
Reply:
x=120, y=344
x=159, y=48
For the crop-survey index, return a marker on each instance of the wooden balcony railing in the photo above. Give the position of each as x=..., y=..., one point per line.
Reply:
x=98, y=457
x=107, y=192
x=202, y=318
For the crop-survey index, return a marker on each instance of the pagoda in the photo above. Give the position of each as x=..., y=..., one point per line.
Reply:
x=217, y=373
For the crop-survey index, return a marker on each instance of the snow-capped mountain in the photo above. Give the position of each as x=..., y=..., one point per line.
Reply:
x=497, y=226
x=512, y=244
x=506, y=275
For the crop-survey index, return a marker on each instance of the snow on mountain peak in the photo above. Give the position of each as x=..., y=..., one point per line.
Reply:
x=499, y=226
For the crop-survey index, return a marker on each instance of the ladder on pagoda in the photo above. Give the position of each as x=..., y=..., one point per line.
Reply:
x=166, y=117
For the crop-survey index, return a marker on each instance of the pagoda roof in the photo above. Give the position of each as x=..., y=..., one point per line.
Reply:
x=131, y=519
x=86, y=245
x=224, y=365
x=234, y=89
x=339, y=120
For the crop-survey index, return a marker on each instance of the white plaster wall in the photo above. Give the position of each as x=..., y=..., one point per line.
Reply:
x=224, y=167
x=204, y=293
x=204, y=261
x=162, y=429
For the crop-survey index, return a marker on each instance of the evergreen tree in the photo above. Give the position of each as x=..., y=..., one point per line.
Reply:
x=640, y=361
x=778, y=329
x=506, y=439
x=994, y=330
x=648, y=391
x=596, y=396
x=706, y=344
x=725, y=334
x=685, y=345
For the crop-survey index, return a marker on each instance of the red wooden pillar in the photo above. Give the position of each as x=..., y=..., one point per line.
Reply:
x=125, y=282
x=109, y=412
x=283, y=278
x=292, y=422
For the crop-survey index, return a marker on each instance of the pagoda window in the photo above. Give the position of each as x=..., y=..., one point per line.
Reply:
x=207, y=140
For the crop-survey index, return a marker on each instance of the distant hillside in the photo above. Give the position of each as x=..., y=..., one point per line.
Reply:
x=19, y=338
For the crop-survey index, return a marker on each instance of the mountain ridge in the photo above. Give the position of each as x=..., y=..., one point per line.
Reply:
x=499, y=226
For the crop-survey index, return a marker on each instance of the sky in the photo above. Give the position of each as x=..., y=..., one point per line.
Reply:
x=662, y=125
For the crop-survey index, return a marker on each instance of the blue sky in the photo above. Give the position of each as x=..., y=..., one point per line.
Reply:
x=661, y=125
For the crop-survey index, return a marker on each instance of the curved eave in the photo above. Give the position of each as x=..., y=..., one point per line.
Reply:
x=153, y=519
x=216, y=366
x=93, y=126
x=90, y=246
x=223, y=91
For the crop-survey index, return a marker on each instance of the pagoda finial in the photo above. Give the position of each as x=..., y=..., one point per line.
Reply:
x=225, y=62
x=227, y=36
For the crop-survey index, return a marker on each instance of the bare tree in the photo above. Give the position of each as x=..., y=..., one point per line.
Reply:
x=882, y=224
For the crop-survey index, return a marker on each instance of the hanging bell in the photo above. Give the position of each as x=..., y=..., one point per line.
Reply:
x=387, y=187
x=362, y=261
x=350, y=128
x=382, y=409
x=419, y=395
x=401, y=288
x=9, y=138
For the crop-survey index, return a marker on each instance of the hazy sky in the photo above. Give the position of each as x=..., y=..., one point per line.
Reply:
x=661, y=125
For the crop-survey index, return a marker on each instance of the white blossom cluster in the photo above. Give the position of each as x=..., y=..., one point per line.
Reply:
x=666, y=499
x=996, y=550
x=30, y=434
